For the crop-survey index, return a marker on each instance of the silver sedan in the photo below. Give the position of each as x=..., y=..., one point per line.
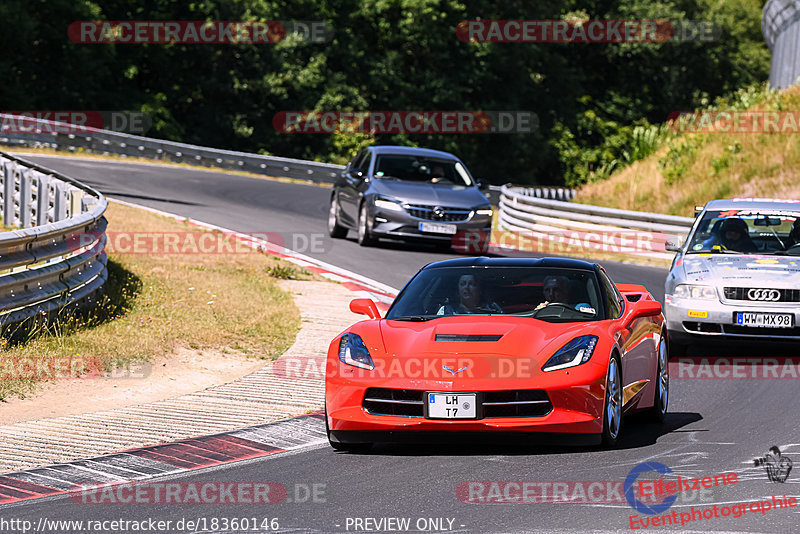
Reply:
x=411, y=194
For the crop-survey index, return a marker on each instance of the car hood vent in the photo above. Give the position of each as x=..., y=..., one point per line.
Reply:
x=468, y=337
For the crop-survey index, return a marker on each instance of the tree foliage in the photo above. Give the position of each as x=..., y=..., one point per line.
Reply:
x=595, y=102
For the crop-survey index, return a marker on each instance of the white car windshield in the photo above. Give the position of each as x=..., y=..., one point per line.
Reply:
x=747, y=231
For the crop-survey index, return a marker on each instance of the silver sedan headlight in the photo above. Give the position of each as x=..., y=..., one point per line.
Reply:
x=387, y=203
x=690, y=291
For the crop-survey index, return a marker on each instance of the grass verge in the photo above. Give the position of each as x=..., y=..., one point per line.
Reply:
x=693, y=168
x=155, y=303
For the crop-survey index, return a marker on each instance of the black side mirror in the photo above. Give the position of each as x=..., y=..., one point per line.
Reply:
x=482, y=184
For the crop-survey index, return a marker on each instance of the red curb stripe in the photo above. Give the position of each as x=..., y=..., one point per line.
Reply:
x=29, y=487
x=184, y=452
x=169, y=460
x=229, y=447
x=267, y=449
x=197, y=449
x=231, y=452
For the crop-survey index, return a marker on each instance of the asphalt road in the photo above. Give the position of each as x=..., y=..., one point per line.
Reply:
x=296, y=213
x=713, y=426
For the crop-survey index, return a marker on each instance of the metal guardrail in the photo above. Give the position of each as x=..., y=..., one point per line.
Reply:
x=62, y=136
x=522, y=212
x=57, y=256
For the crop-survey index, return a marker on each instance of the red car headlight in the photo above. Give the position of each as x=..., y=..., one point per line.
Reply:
x=352, y=351
x=576, y=352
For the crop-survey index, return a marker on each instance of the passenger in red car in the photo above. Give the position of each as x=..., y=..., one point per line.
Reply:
x=472, y=298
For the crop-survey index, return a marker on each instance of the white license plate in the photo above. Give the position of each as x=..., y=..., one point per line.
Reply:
x=770, y=320
x=451, y=405
x=435, y=228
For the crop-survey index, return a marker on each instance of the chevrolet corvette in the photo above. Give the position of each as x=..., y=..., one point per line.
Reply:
x=518, y=345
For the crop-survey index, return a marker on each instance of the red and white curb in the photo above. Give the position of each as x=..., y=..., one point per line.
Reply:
x=199, y=452
x=165, y=459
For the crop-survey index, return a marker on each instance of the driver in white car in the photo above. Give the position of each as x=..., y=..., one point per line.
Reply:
x=794, y=235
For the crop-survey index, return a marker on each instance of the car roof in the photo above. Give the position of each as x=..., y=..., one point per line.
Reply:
x=754, y=203
x=486, y=262
x=410, y=150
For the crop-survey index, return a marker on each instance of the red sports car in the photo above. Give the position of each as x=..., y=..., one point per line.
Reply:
x=547, y=345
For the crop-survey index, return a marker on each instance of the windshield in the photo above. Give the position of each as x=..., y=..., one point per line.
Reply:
x=420, y=169
x=747, y=231
x=553, y=295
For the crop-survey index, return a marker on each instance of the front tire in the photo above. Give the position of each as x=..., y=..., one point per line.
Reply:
x=344, y=447
x=612, y=407
x=365, y=237
x=335, y=230
x=661, y=395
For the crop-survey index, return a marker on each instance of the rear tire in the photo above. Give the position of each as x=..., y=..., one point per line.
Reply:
x=335, y=230
x=612, y=407
x=661, y=394
x=365, y=238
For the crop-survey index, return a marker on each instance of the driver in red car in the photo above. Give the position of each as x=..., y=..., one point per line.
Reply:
x=557, y=290
x=472, y=298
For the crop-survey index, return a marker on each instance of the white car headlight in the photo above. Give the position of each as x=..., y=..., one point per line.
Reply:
x=388, y=204
x=484, y=212
x=689, y=291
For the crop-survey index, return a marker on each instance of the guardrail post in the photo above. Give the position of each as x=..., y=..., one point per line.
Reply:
x=25, y=200
x=8, y=194
x=75, y=206
x=60, y=207
x=42, y=200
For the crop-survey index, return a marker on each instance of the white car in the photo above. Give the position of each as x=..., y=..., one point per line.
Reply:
x=737, y=275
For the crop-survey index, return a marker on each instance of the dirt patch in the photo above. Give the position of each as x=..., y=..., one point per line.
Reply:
x=184, y=371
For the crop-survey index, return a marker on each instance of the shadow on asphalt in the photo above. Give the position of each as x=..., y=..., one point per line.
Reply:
x=419, y=246
x=743, y=349
x=144, y=197
x=637, y=433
